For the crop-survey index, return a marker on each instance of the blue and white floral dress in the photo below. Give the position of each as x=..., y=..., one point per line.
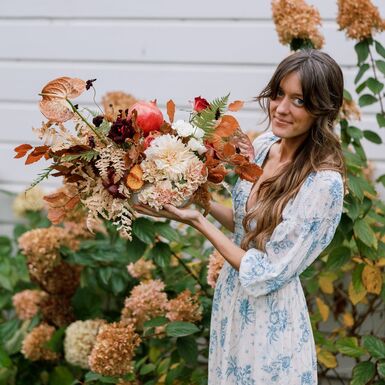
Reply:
x=260, y=326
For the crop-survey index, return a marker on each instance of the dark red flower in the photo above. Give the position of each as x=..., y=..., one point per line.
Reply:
x=98, y=120
x=121, y=129
x=200, y=104
x=89, y=83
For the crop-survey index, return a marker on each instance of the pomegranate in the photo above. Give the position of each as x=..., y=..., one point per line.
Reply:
x=149, y=116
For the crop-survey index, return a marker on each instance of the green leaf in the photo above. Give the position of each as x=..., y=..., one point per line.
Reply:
x=5, y=361
x=338, y=257
x=380, y=64
x=362, y=50
x=157, y=321
x=381, y=179
x=86, y=303
x=363, y=373
x=56, y=341
x=362, y=70
x=91, y=376
x=61, y=375
x=5, y=246
x=347, y=95
x=355, y=132
x=135, y=248
x=188, y=349
x=105, y=274
x=366, y=100
x=374, y=85
x=361, y=87
x=181, y=329
x=380, y=119
x=353, y=207
x=381, y=369
x=145, y=369
x=365, y=233
x=161, y=254
x=372, y=136
x=118, y=284
x=349, y=347
x=165, y=230
x=374, y=346
x=357, y=277
x=144, y=229
x=380, y=49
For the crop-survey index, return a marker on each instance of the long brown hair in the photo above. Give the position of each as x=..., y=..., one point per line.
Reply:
x=322, y=88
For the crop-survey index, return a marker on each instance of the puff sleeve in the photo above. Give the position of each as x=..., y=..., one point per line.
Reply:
x=307, y=227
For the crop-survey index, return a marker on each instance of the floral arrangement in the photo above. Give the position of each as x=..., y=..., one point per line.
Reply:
x=117, y=159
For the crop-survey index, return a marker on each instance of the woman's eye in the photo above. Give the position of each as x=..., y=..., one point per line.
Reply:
x=299, y=102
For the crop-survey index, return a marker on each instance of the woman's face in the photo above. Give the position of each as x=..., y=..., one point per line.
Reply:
x=289, y=118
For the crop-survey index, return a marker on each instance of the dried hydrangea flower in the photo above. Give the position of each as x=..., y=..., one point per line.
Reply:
x=31, y=200
x=147, y=301
x=57, y=310
x=27, y=303
x=114, y=101
x=63, y=279
x=141, y=269
x=79, y=340
x=185, y=307
x=350, y=110
x=216, y=262
x=359, y=18
x=114, y=349
x=41, y=247
x=33, y=346
x=294, y=19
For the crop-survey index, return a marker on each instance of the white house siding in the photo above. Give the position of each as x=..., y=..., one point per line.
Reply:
x=152, y=49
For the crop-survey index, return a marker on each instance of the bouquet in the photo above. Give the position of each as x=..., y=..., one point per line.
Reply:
x=110, y=161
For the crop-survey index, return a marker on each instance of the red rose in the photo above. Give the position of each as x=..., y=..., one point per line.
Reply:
x=200, y=104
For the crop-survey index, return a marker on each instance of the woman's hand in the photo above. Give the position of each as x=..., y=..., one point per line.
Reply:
x=188, y=216
x=242, y=141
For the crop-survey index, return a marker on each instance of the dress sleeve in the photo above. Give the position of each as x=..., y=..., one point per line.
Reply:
x=307, y=227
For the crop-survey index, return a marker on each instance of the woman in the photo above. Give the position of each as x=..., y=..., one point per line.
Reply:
x=260, y=327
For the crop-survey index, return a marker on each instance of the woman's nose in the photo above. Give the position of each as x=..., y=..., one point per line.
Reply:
x=283, y=106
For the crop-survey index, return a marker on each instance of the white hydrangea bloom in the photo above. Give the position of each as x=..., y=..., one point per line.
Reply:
x=79, y=340
x=195, y=145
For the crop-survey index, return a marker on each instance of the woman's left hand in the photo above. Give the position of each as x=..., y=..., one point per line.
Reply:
x=188, y=216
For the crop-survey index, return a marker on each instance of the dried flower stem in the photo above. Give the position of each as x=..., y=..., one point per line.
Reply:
x=74, y=109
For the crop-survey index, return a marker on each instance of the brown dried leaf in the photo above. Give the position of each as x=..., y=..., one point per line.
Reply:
x=22, y=150
x=71, y=204
x=36, y=154
x=228, y=150
x=236, y=105
x=171, y=110
x=56, y=215
x=57, y=110
x=56, y=197
x=249, y=172
x=202, y=197
x=134, y=179
x=227, y=126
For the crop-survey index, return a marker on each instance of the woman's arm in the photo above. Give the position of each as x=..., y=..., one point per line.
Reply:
x=229, y=250
x=224, y=215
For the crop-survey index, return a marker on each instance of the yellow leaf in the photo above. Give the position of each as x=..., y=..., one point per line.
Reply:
x=348, y=266
x=323, y=309
x=358, y=259
x=372, y=279
x=327, y=359
x=347, y=319
x=326, y=282
x=381, y=262
x=356, y=296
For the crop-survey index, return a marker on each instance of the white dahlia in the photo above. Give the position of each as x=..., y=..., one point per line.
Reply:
x=170, y=155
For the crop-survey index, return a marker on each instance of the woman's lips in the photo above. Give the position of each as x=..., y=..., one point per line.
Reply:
x=280, y=121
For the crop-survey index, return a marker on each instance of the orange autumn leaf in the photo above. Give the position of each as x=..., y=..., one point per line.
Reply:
x=236, y=105
x=36, y=154
x=249, y=172
x=171, y=110
x=228, y=150
x=56, y=215
x=134, y=178
x=227, y=126
x=22, y=150
x=55, y=197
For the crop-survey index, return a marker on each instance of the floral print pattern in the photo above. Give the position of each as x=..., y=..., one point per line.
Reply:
x=260, y=326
